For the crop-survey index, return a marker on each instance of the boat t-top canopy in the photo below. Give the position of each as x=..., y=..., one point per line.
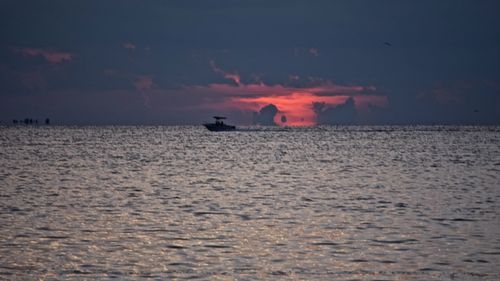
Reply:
x=218, y=125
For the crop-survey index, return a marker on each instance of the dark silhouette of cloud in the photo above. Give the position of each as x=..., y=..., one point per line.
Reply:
x=266, y=115
x=342, y=114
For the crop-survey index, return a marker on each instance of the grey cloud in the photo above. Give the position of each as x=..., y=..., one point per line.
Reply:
x=175, y=41
x=266, y=115
x=342, y=114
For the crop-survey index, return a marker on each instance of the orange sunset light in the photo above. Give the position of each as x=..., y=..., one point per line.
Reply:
x=297, y=107
x=295, y=103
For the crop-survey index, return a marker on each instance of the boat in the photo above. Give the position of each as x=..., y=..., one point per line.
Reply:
x=219, y=125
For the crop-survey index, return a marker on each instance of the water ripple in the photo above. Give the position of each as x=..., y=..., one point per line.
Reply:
x=324, y=203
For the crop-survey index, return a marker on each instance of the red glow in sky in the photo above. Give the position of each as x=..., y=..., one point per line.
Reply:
x=293, y=102
x=297, y=107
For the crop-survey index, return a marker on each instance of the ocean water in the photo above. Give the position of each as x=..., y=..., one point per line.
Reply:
x=323, y=203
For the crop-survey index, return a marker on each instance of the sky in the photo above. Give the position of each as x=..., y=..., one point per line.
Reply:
x=262, y=62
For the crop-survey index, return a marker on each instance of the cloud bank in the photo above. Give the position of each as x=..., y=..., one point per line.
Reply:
x=294, y=102
x=51, y=56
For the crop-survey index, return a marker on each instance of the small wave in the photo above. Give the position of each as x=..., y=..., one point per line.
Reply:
x=324, y=243
x=217, y=246
x=401, y=241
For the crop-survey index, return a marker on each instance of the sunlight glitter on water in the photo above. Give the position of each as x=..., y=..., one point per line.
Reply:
x=322, y=203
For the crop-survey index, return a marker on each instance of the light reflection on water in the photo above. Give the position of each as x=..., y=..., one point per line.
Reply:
x=327, y=203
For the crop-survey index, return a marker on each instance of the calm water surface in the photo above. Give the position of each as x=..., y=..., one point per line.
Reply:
x=326, y=203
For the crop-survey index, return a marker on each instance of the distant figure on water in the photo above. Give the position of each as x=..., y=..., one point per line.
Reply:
x=29, y=121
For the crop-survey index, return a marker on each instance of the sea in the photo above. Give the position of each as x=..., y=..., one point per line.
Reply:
x=260, y=203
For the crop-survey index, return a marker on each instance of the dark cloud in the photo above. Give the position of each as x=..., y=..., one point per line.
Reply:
x=342, y=114
x=266, y=115
x=48, y=48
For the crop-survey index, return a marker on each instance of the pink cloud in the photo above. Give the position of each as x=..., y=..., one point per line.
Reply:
x=231, y=76
x=294, y=102
x=53, y=57
x=314, y=52
x=129, y=46
x=143, y=83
